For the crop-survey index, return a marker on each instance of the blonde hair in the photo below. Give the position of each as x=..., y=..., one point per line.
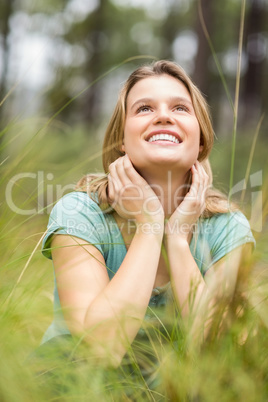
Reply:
x=216, y=202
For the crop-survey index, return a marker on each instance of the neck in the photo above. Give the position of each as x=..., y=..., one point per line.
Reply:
x=170, y=187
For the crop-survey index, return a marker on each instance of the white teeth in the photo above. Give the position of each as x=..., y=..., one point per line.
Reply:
x=165, y=137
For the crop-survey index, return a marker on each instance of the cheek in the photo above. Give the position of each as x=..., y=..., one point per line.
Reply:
x=127, y=143
x=199, y=139
x=129, y=137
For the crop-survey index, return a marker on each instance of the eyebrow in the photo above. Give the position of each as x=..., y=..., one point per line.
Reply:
x=175, y=99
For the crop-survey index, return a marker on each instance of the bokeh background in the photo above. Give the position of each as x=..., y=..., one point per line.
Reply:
x=62, y=64
x=50, y=51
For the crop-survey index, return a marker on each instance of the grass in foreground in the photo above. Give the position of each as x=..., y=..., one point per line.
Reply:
x=229, y=367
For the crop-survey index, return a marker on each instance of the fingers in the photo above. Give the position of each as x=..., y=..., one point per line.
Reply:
x=131, y=173
x=113, y=182
x=124, y=174
x=129, y=193
x=123, y=180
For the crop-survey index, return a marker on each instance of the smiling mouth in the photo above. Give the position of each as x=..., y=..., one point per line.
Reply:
x=164, y=137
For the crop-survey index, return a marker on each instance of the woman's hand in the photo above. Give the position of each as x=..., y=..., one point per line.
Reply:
x=187, y=213
x=130, y=195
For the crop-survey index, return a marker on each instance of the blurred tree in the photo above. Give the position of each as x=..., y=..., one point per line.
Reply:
x=222, y=22
x=178, y=19
x=255, y=80
x=6, y=10
x=88, y=38
x=109, y=35
x=211, y=20
x=206, y=15
x=105, y=37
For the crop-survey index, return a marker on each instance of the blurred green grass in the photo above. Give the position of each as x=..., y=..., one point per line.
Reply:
x=231, y=368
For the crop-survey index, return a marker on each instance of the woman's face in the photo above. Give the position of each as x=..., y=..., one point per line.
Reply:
x=161, y=128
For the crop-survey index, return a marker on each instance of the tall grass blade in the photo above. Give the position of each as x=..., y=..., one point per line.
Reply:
x=214, y=54
x=250, y=159
x=237, y=88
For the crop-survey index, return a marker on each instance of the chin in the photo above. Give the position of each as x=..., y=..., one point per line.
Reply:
x=161, y=165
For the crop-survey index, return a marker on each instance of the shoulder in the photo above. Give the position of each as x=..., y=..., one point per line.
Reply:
x=78, y=215
x=76, y=201
x=225, y=232
x=219, y=235
x=227, y=222
x=78, y=205
x=77, y=208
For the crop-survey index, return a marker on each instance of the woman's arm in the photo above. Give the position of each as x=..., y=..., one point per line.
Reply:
x=221, y=281
x=197, y=296
x=110, y=312
x=184, y=272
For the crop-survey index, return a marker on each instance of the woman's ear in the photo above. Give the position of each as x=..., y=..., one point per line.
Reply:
x=122, y=148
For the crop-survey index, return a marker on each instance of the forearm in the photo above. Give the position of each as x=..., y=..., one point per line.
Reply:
x=114, y=317
x=187, y=282
x=202, y=303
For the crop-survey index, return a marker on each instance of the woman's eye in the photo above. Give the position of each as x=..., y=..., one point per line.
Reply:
x=181, y=108
x=144, y=109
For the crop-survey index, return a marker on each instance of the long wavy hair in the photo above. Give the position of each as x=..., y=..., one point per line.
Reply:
x=97, y=184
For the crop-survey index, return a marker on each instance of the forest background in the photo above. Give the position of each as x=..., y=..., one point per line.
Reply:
x=62, y=65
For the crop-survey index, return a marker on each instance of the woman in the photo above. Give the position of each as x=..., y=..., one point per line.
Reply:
x=106, y=239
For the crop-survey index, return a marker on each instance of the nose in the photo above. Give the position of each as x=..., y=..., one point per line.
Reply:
x=164, y=116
